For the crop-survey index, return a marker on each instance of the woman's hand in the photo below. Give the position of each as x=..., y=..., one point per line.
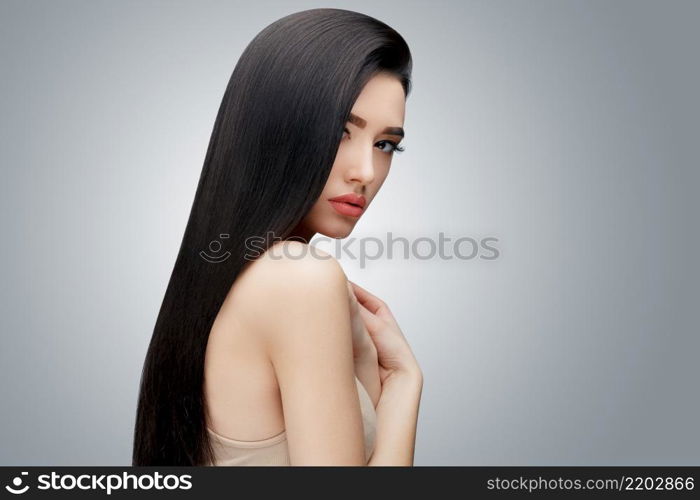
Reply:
x=393, y=352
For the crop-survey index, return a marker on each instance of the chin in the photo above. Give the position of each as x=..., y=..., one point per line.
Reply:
x=336, y=228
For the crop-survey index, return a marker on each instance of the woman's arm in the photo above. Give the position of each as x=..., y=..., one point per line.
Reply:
x=400, y=377
x=397, y=418
x=397, y=403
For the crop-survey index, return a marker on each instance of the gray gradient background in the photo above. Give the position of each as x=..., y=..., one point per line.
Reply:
x=568, y=130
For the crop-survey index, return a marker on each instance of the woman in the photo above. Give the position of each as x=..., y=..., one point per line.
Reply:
x=278, y=359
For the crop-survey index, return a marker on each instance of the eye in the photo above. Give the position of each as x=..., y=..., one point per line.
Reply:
x=395, y=148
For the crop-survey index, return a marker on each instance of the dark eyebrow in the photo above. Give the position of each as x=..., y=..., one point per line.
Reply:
x=361, y=122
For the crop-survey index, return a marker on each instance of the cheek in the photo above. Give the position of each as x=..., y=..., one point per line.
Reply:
x=321, y=209
x=382, y=171
x=379, y=180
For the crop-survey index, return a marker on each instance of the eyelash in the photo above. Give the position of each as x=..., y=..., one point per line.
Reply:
x=396, y=147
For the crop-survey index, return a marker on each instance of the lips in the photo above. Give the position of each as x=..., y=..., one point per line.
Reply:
x=352, y=199
x=349, y=204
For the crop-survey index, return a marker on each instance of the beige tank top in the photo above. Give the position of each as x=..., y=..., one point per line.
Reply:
x=274, y=451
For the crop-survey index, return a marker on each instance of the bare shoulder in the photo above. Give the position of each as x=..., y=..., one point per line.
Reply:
x=296, y=259
x=287, y=270
x=289, y=278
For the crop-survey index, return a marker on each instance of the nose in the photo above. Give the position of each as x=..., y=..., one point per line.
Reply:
x=361, y=168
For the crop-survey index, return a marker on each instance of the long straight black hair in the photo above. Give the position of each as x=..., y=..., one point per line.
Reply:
x=271, y=150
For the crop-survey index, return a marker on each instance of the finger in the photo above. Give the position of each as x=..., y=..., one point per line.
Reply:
x=371, y=321
x=372, y=303
x=351, y=292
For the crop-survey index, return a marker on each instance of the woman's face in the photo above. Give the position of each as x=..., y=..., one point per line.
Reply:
x=363, y=159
